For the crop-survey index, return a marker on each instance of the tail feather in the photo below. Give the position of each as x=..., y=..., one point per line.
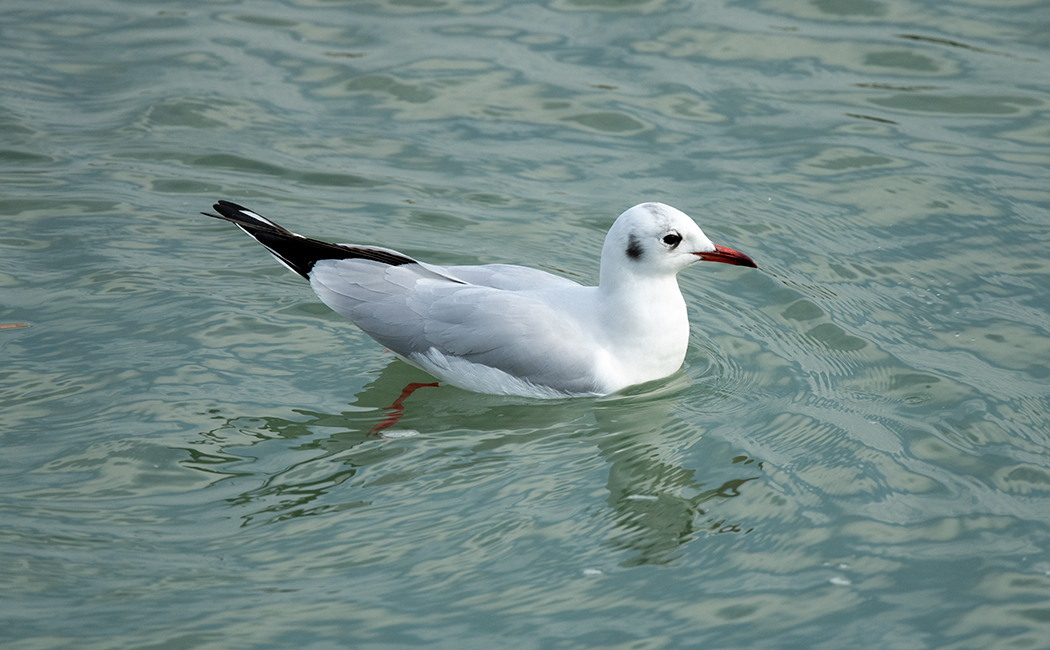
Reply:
x=298, y=253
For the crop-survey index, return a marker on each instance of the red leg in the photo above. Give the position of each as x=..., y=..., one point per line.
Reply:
x=397, y=409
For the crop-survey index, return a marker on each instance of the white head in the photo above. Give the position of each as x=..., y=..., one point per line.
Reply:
x=656, y=240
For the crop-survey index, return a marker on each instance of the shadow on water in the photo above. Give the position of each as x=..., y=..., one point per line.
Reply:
x=333, y=462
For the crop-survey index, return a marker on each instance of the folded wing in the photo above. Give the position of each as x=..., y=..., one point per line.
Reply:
x=431, y=319
x=494, y=322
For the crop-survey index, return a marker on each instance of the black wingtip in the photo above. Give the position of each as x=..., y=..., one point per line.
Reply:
x=296, y=252
x=228, y=208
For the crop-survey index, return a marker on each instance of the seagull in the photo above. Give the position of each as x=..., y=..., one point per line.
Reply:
x=511, y=330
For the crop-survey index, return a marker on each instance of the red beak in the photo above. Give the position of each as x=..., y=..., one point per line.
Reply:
x=727, y=256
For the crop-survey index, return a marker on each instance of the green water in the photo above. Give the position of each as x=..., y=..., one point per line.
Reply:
x=856, y=453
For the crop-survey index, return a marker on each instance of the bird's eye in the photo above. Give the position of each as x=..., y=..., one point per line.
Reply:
x=672, y=239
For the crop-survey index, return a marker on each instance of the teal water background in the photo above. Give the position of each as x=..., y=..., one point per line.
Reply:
x=856, y=453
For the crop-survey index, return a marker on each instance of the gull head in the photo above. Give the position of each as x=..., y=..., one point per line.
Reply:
x=656, y=240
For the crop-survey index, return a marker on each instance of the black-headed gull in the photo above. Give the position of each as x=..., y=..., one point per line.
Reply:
x=512, y=330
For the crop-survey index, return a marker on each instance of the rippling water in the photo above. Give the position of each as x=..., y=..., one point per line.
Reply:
x=856, y=453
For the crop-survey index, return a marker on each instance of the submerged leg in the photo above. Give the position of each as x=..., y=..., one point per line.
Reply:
x=397, y=409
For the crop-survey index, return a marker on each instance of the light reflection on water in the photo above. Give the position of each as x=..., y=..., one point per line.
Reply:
x=854, y=455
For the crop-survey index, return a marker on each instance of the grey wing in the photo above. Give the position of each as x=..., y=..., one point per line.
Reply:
x=375, y=297
x=519, y=334
x=412, y=309
x=503, y=276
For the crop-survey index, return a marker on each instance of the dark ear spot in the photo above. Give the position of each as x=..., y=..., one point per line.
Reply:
x=634, y=248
